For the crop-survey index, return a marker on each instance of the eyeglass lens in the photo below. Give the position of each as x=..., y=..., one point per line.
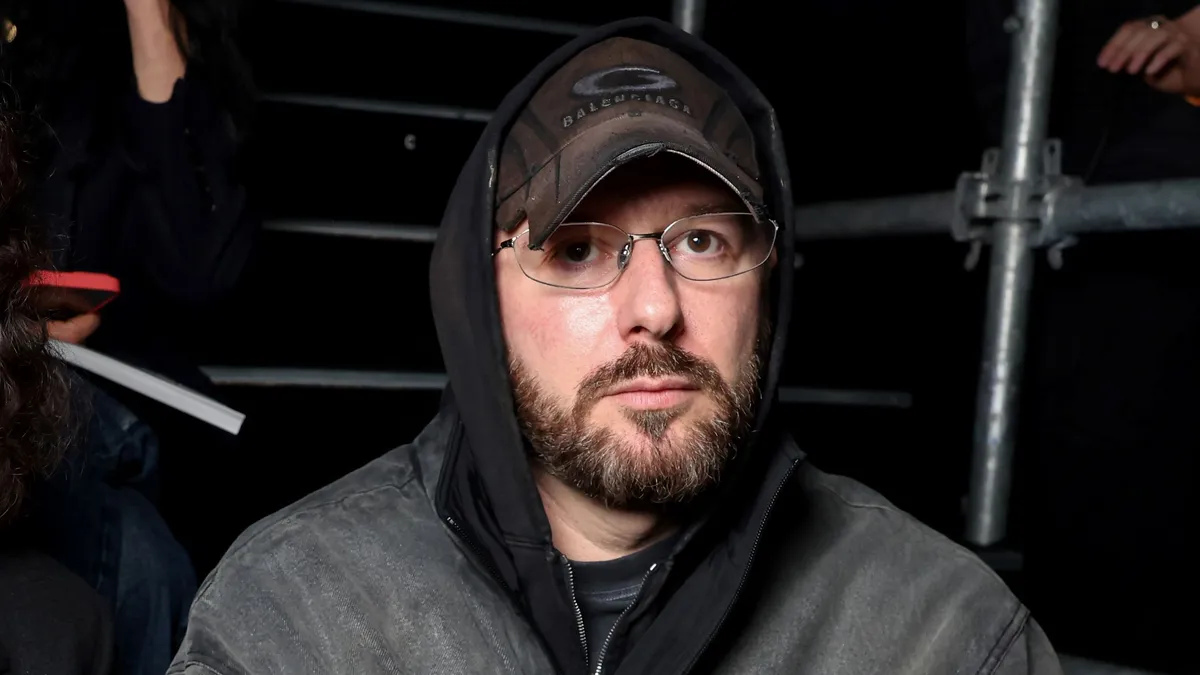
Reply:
x=701, y=248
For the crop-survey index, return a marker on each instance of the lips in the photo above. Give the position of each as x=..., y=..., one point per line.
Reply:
x=650, y=386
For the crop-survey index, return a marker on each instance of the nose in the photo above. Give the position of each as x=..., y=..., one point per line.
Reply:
x=647, y=294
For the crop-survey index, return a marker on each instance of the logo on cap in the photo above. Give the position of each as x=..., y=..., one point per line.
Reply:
x=618, y=79
x=616, y=85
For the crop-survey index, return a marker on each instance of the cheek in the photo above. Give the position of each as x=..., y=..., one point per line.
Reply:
x=722, y=327
x=557, y=337
x=563, y=329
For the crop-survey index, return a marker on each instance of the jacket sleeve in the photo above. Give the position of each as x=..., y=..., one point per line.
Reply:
x=1030, y=653
x=190, y=230
x=240, y=623
x=205, y=652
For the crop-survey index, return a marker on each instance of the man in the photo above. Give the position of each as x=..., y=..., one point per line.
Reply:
x=607, y=488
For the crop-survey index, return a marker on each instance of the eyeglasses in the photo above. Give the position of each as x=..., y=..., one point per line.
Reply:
x=583, y=256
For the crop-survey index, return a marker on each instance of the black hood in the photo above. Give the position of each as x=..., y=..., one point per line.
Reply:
x=486, y=490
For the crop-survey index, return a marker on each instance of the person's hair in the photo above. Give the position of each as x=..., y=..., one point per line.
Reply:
x=210, y=44
x=34, y=391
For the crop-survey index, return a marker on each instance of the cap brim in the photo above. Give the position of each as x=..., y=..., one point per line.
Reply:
x=562, y=183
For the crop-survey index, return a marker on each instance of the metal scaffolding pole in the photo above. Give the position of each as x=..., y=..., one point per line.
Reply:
x=444, y=112
x=1020, y=171
x=1124, y=207
x=688, y=15
x=1073, y=210
x=928, y=213
x=459, y=16
x=420, y=234
x=1070, y=209
x=376, y=380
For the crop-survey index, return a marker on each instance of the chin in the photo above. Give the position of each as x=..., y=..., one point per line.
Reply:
x=655, y=426
x=653, y=431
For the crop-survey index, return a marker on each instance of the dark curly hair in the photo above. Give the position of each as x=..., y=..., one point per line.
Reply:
x=34, y=390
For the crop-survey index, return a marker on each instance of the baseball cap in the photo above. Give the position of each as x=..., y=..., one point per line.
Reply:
x=613, y=102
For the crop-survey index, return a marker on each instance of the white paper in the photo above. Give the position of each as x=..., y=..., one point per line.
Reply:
x=151, y=385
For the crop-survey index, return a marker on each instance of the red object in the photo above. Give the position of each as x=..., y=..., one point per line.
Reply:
x=81, y=292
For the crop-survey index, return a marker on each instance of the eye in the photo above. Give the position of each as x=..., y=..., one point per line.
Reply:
x=578, y=252
x=578, y=244
x=699, y=241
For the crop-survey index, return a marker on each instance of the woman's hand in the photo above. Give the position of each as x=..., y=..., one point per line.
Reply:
x=75, y=330
x=1160, y=50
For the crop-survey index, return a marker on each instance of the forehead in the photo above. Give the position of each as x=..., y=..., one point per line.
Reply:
x=664, y=185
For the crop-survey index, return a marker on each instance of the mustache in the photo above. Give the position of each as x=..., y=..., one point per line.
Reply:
x=644, y=360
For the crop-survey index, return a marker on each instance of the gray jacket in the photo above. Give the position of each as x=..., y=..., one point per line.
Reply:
x=364, y=578
x=438, y=558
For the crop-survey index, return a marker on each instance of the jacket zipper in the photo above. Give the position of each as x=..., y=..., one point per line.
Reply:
x=479, y=556
x=455, y=435
x=746, y=572
x=462, y=534
x=608, y=640
x=587, y=660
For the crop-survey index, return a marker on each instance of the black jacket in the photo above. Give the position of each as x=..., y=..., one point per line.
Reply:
x=51, y=623
x=438, y=557
x=148, y=192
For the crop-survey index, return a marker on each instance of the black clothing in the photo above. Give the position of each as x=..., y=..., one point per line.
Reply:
x=604, y=590
x=51, y=623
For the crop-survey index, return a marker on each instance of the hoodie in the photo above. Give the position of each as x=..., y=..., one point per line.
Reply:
x=438, y=557
x=490, y=492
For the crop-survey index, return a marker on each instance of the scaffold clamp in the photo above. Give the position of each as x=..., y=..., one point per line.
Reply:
x=982, y=198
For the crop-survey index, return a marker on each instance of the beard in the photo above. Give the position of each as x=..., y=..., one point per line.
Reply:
x=657, y=468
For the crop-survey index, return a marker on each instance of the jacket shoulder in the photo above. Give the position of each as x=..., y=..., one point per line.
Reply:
x=862, y=586
x=852, y=516
x=369, y=542
x=892, y=551
x=398, y=480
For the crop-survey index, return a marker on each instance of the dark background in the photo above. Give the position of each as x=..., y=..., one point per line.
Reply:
x=874, y=100
x=880, y=315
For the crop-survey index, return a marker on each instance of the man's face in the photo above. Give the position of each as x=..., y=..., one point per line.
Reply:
x=636, y=393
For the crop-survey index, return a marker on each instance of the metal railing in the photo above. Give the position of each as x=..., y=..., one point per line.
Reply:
x=1010, y=275
x=442, y=112
x=1067, y=212
x=1016, y=204
x=688, y=15
x=423, y=234
x=376, y=380
x=458, y=16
